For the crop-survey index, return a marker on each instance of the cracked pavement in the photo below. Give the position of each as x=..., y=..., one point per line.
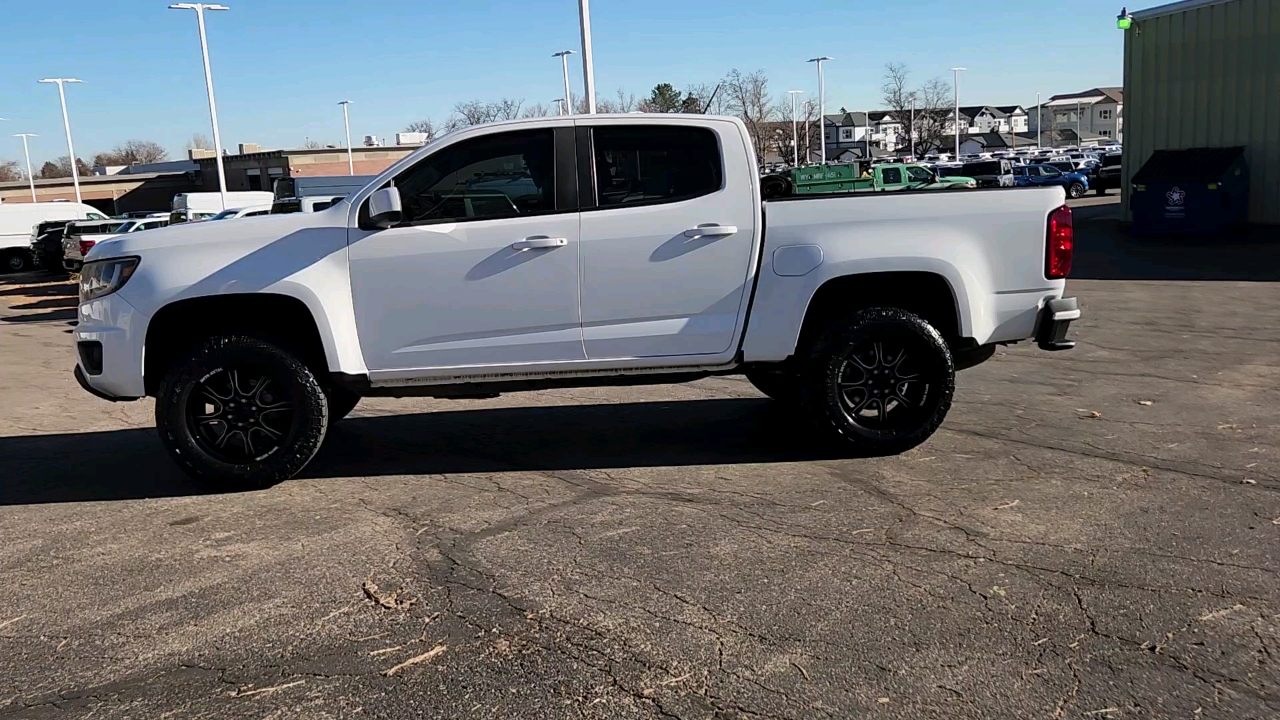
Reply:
x=1091, y=534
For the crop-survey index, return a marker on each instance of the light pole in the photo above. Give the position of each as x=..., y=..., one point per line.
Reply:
x=1079, y=140
x=66, y=124
x=346, y=122
x=588, y=69
x=795, y=133
x=559, y=106
x=564, y=65
x=911, y=132
x=822, y=107
x=957, y=72
x=1039, y=120
x=31, y=179
x=208, y=82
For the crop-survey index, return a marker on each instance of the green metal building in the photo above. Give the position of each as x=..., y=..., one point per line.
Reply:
x=1206, y=73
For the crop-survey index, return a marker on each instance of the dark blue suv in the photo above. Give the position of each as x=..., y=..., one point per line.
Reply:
x=1076, y=184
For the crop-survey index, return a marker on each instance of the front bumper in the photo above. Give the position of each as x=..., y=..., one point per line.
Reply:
x=1055, y=320
x=121, y=331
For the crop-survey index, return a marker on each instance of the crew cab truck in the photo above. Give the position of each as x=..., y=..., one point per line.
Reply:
x=568, y=251
x=858, y=176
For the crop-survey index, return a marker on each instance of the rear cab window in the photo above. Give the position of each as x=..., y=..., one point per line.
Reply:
x=653, y=164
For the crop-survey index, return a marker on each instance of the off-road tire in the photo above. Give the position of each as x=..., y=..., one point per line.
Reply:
x=923, y=353
x=341, y=403
x=307, y=423
x=779, y=385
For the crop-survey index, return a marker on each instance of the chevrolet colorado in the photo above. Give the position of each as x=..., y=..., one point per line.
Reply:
x=568, y=251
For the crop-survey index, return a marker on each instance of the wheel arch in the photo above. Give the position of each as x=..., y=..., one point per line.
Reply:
x=178, y=327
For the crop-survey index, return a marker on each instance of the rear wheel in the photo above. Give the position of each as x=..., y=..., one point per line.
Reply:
x=241, y=413
x=1075, y=190
x=881, y=381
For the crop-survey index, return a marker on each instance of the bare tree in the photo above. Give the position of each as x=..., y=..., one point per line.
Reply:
x=9, y=171
x=198, y=142
x=424, y=126
x=312, y=144
x=479, y=112
x=711, y=98
x=932, y=114
x=536, y=111
x=747, y=97
x=625, y=102
x=132, y=152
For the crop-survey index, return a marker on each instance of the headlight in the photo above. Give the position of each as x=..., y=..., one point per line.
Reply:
x=103, y=277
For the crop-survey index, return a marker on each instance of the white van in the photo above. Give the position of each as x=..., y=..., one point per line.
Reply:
x=18, y=222
x=204, y=205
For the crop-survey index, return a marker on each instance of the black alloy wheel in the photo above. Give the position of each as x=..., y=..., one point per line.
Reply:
x=241, y=414
x=882, y=380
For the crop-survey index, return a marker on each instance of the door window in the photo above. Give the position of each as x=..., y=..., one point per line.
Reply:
x=647, y=165
x=1050, y=171
x=891, y=176
x=495, y=176
x=919, y=174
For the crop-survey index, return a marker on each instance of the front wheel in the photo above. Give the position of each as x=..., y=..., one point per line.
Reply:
x=15, y=260
x=882, y=381
x=241, y=413
x=1075, y=190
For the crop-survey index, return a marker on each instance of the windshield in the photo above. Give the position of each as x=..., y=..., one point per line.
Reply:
x=225, y=214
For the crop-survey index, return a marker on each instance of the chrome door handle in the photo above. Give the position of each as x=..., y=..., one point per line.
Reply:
x=710, y=230
x=539, y=242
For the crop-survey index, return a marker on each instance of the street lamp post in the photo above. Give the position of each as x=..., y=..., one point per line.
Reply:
x=912, y=130
x=795, y=133
x=66, y=124
x=31, y=179
x=564, y=65
x=1079, y=140
x=957, y=72
x=559, y=106
x=346, y=122
x=1039, y=120
x=822, y=108
x=588, y=69
x=208, y=81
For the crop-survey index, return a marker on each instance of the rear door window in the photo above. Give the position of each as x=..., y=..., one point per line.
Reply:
x=891, y=176
x=647, y=164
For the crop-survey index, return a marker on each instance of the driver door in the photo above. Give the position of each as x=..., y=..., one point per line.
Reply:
x=483, y=269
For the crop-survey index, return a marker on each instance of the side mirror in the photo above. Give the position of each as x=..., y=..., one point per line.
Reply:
x=384, y=208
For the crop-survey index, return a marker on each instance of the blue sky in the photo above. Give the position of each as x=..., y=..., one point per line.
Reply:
x=280, y=66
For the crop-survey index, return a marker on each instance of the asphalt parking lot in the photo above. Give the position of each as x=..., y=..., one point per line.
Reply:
x=1092, y=534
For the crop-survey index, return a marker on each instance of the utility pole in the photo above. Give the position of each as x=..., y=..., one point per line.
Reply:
x=31, y=179
x=912, y=130
x=564, y=65
x=957, y=72
x=1079, y=139
x=66, y=124
x=588, y=69
x=795, y=133
x=822, y=108
x=346, y=122
x=1039, y=121
x=208, y=81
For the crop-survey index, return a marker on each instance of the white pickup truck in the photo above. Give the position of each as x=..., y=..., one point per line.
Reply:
x=569, y=251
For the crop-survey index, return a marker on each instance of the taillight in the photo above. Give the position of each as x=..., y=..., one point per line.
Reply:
x=86, y=246
x=1061, y=244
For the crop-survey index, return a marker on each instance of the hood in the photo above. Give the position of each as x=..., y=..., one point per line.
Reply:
x=258, y=230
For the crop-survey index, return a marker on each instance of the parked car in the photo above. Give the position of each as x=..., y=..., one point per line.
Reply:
x=189, y=207
x=1108, y=175
x=1074, y=183
x=18, y=223
x=135, y=214
x=855, y=308
x=46, y=246
x=80, y=237
x=989, y=173
x=234, y=213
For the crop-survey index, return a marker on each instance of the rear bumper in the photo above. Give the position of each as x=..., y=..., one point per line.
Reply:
x=1055, y=320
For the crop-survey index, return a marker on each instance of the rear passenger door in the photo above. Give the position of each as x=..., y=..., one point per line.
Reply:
x=668, y=234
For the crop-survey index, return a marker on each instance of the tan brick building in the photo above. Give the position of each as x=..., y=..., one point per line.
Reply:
x=259, y=170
